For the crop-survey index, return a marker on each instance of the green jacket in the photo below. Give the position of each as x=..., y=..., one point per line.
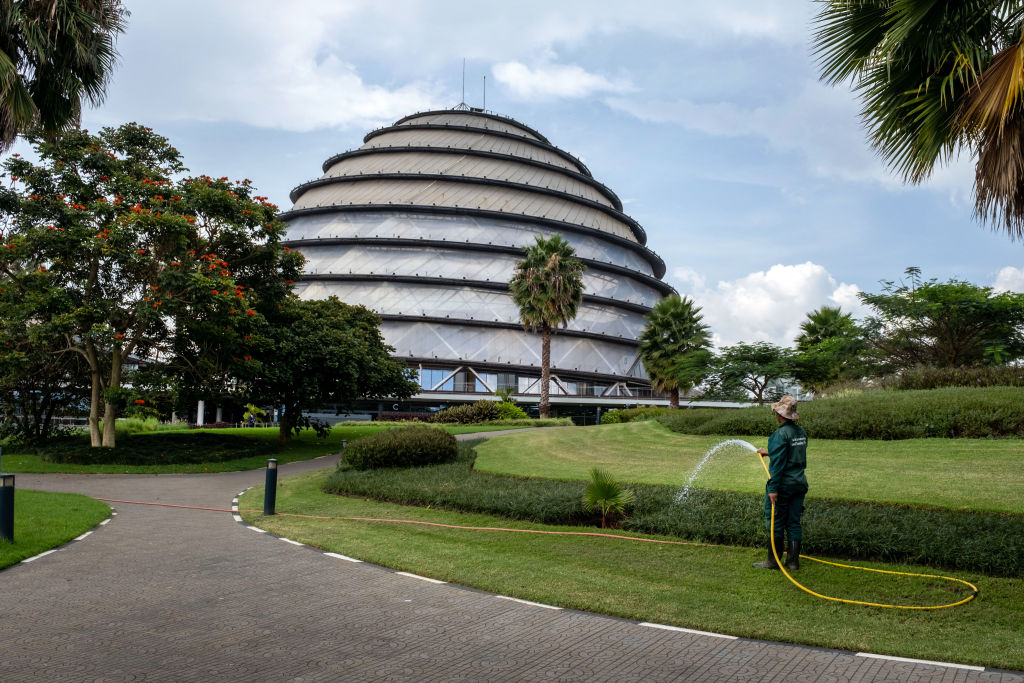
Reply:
x=787, y=452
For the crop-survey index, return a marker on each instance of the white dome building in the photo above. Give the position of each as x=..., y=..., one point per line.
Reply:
x=424, y=224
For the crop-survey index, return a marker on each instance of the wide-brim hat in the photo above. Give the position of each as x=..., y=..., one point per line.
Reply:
x=786, y=407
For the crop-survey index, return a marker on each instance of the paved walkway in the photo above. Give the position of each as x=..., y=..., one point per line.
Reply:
x=167, y=594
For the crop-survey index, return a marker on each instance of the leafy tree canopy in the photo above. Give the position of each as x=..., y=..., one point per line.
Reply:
x=754, y=368
x=54, y=54
x=325, y=351
x=944, y=324
x=936, y=78
x=673, y=346
x=547, y=286
x=105, y=248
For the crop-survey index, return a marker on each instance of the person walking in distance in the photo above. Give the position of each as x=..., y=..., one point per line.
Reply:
x=787, y=484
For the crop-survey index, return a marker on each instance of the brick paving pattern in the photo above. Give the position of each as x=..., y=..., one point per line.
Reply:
x=166, y=594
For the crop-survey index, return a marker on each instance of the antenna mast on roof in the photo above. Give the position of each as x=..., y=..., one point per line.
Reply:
x=463, y=80
x=485, y=91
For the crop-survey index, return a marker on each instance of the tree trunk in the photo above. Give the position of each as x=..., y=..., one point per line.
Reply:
x=673, y=401
x=94, y=409
x=110, y=409
x=545, y=372
x=284, y=432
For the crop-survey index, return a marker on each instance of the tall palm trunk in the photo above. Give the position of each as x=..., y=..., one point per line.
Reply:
x=545, y=372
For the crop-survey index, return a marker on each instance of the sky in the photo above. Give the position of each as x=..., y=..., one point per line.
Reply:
x=753, y=180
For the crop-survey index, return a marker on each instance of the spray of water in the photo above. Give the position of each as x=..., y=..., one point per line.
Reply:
x=732, y=444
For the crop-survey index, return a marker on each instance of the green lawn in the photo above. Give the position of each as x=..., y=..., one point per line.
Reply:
x=709, y=588
x=46, y=520
x=976, y=474
x=303, y=447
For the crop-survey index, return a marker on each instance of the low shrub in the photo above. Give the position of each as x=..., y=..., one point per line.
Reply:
x=611, y=417
x=885, y=414
x=953, y=539
x=534, y=422
x=510, y=411
x=927, y=377
x=403, y=447
x=156, y=449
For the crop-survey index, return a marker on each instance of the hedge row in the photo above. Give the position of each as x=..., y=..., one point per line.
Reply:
x=481, y=411
x=402, y=447
x=977, y=541
x=884, y=414
x=156, y=449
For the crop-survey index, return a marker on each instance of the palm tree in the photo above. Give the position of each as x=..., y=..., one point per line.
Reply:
x=673, y=344
x=936, y=78
x=825, y=323
x=54, y=54
x=547, y=286
x=605, y=495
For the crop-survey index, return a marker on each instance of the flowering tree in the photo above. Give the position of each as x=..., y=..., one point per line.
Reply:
x=106, y=248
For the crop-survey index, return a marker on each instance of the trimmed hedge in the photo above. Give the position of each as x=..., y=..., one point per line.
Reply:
x=977, y=541
x=401, y=447
x=156, y=449
x=884, y=414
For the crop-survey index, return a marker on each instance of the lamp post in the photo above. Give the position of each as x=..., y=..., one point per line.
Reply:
x=270, y=490
x=7, y=507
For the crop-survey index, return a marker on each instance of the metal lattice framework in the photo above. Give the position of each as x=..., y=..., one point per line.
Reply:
x=425, y=222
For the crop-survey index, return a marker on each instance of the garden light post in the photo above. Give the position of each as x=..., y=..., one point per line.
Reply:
x=6, y=507
x=270, y=490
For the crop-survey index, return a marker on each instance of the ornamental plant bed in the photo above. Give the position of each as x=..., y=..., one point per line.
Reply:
x=156, y=449
x=988, y=542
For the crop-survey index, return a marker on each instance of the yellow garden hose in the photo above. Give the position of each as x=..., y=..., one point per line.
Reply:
x=778, y=561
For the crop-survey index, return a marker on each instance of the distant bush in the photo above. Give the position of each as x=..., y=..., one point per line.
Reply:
x=926, y=377
x=952, y=539
x=481, y=411
x=533, y=422
x=510, y=411
x=156, y=449
x=611, y=417
x=404, y=447
x=883, y=414
x=403, y=417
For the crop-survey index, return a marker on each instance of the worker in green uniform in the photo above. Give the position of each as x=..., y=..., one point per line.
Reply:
x=787, y=484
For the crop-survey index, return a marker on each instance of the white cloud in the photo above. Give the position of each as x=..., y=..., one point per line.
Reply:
x=767, y=305
x=1009, y=279
x=554, y=80
x=819, y=123
x=279, y=66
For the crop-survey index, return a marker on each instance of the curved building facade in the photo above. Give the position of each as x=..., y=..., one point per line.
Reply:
x=424, y=224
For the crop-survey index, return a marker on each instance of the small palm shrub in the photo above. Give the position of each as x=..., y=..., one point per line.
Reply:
x=401, y=447
x=606, y=496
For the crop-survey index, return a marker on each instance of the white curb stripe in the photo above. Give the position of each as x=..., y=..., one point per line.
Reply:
x=342, y=557
x=688, y=630
x=921, y=661
x=33, y=559
x=288, y=540
x=237, y=518
x=105, y=522
x=527, y=602
x=256, y=529
x=421, y=578
x=79, y=538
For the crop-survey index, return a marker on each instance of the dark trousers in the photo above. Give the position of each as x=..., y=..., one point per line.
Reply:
x=788, y=509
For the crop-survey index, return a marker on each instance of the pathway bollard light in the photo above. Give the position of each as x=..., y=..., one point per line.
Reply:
x=270, y=490
x=6, y=507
